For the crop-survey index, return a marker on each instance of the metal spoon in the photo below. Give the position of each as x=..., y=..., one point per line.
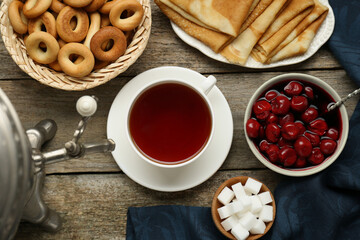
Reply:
x=343, y=100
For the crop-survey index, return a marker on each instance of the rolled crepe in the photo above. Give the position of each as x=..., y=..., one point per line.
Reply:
x=258, y=10
x=215, y=40
x=301, y=43
x=292, y=9
x=261, y=51
x=225, y=16
x=239, y=50
x=318, y=11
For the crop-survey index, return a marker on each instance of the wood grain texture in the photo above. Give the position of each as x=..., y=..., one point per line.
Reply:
x=95, y=206
x=35, y=102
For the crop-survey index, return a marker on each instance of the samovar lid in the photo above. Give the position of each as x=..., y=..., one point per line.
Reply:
x=16, y=171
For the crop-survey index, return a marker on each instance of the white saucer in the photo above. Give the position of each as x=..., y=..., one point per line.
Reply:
x=163, y=179
x=323, y=34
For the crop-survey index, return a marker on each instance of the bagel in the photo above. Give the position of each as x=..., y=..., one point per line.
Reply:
x=63, y=26
x=131, y=22
x=57, y=6
x=34, y=8
x=95, y=20
x=103, y=36
x=56, y=66
x=80, y=69
x=94, y=5
x=17, y=19
x=77, y=3
x=47, y=20
x=105, y=21
x=105, y=9
x=32, y=44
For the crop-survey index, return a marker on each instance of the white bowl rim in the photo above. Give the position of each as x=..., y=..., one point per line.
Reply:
x=344, y=118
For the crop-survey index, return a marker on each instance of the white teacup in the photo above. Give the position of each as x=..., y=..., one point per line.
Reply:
x=170, y=121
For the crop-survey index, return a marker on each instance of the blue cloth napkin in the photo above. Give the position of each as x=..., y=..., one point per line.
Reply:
x=322, y=206
x=171, y=223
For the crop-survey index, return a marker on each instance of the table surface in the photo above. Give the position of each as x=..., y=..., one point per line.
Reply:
x=92, y=194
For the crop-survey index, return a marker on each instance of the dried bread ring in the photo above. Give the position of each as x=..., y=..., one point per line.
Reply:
x=105, y=9
x=17, y=19
x=32, y=44
x=95, y=20
x=103, y=36
x=80, y=69
x=105, y=21
x=56, y=66
x=34, y=8
x=47, y=20
x=64, y=28
x=94, y=5
x=57, y=6
x=129, y=23
x=77, y=3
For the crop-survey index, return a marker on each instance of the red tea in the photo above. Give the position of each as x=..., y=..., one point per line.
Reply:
x=170, y=123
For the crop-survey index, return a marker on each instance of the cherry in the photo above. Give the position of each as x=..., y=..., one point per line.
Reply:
x=318, y=126
x=261, y=132
x=289, y=117
x=270, y=95
x=314, y=139
x=333, y=133
x=316, y=156
x=327, y=146
x=303, y=147
x=272, y=132
x=290, y=131
x=272, y=118
x=273, y=153
x=293, y=88
x=264, y=145
x=280, y=105
x=300, y=162
x=262, y=109
x=283, y=142
x=299, y=103
x=310, y=114
x=287, y=156
x=309, y=92
x=252, y=128
x=300, y=126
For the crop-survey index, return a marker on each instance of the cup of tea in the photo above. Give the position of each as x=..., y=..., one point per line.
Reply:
x=170, y=122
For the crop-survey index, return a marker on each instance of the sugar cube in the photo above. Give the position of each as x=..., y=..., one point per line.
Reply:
x=266, y=213
x=240, y=232
x=230, y=222
x=224, y=211
x=226, y=195
x=246, y=202
x=258, y=228
x=252, y=186
x=265, y=197
x=238, y=190
x=248, y=220
x=256, y=204
x=235, y=207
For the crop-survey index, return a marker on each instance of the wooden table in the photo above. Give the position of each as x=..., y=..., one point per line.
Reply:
x=92, y=194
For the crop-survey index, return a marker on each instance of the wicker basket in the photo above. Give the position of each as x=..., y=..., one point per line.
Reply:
x=16, y=48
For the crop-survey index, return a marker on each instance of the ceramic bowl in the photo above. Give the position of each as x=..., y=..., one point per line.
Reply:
x=342, y=136
x=216, y=204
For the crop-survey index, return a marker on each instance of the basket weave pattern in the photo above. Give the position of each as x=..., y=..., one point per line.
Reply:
x=16, y=48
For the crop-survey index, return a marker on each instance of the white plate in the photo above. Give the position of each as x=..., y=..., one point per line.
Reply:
x=321, y=37
x=162, y=179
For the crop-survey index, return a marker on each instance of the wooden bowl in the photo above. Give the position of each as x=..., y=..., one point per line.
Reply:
x=216, y=204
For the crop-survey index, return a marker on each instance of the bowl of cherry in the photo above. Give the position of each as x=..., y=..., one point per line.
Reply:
x=288, y=126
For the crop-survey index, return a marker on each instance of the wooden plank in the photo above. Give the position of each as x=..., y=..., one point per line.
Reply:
x=165, y=48
x=35, y=102
x=95, y=206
